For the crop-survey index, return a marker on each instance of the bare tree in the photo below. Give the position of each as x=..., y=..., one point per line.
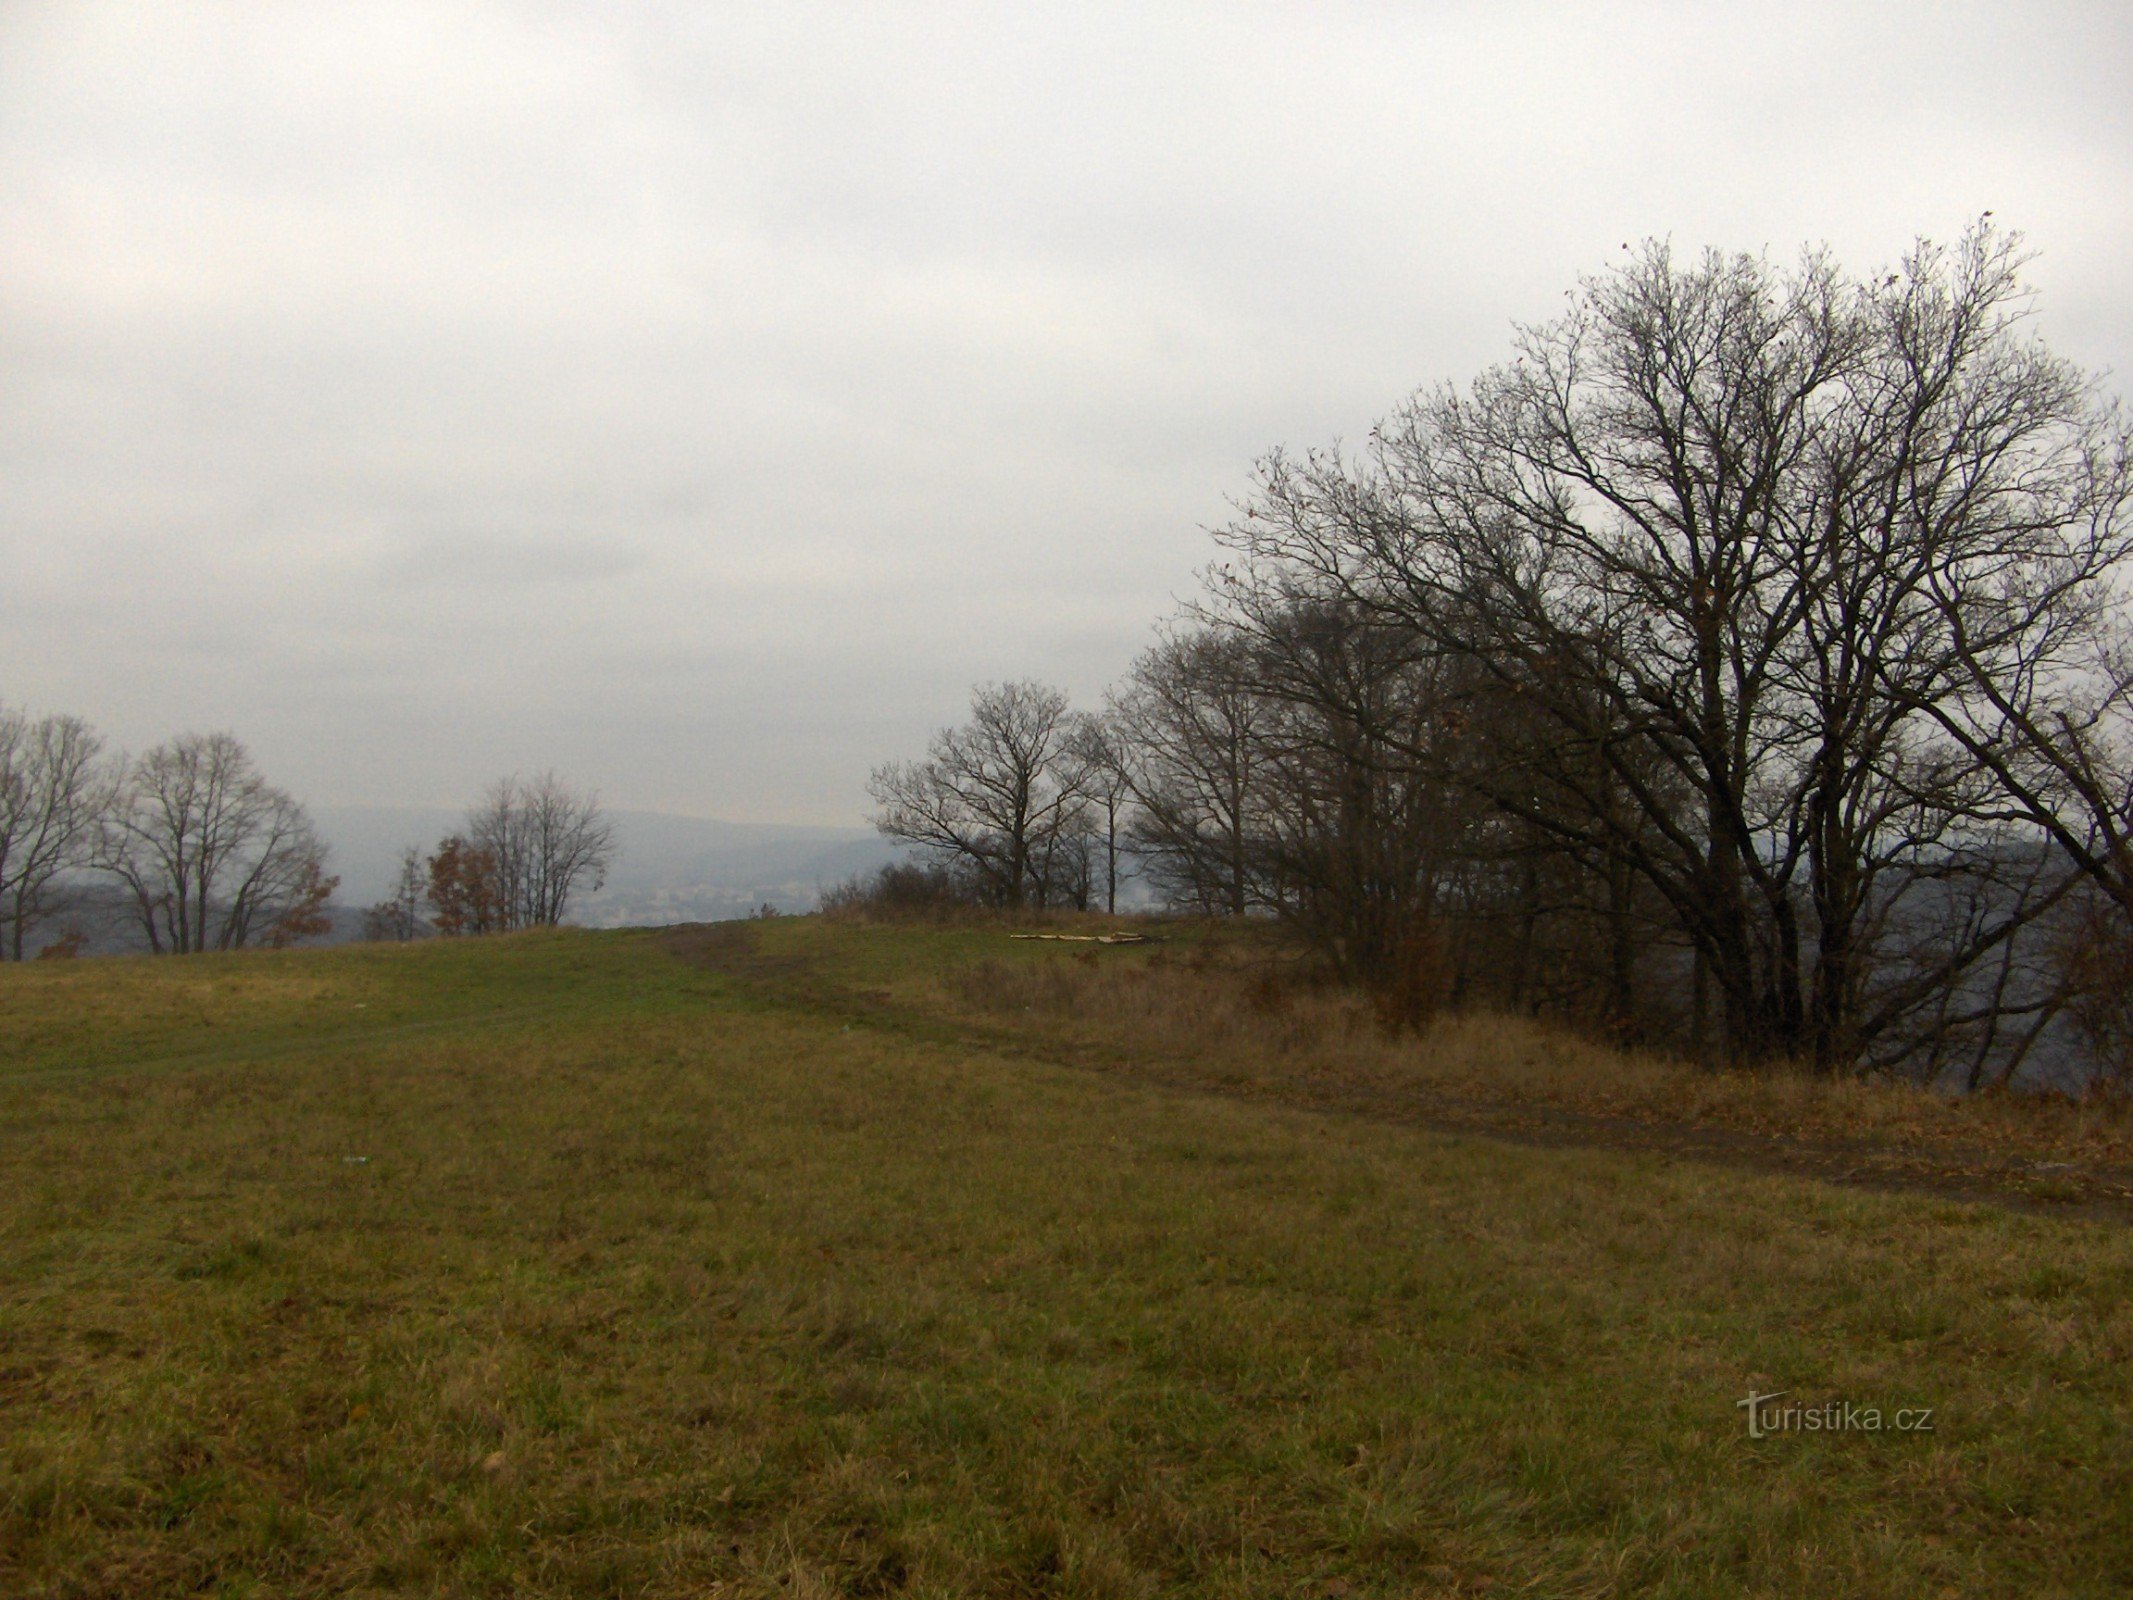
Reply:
x=1195, y=725
x=1769, y=559
x=2035, y=621
x=1364, y=831
x=1000, y=793
x=212, y=855
x=1105, y=756
x=547, y=841
x=398, y=917
x=54, y=793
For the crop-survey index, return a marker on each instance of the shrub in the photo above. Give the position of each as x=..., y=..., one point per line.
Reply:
x=903, y=889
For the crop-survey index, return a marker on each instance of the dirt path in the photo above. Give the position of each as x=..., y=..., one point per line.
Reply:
x=2060, y=1188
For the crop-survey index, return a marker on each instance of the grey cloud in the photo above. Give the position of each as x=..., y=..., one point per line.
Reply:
x=496, y=560
x=698, y=397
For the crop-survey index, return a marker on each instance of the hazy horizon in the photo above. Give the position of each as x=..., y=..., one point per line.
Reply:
x=666, y=868
x=698, y=400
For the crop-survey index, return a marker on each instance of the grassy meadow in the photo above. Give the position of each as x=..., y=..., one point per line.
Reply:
x=808, y=1258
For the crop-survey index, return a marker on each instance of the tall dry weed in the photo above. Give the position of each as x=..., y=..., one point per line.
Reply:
x=1280, y=1020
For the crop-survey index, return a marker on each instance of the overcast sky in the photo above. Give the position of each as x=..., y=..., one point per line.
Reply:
x=698, y=399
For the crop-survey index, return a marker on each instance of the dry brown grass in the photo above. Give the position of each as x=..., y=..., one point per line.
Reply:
x=774, y=1278
x=1258, y=1018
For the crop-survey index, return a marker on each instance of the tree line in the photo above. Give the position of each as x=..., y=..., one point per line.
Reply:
x=205, y=854
x=1743, y=664
x=530, y=845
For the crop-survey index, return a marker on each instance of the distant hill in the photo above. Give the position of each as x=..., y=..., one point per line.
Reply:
x=667, y=868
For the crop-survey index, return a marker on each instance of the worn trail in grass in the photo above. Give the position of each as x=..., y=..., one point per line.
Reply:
x=1229, y=1017
x=684, y=1287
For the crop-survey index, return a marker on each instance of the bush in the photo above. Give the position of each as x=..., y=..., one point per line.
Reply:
x=904, y=889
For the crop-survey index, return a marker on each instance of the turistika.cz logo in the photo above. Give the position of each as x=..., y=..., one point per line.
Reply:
x=1766, y=1417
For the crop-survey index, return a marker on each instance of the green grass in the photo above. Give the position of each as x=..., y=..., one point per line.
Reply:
x=558, y=1265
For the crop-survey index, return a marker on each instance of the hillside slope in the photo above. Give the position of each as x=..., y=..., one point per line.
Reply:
x=580, y=1263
